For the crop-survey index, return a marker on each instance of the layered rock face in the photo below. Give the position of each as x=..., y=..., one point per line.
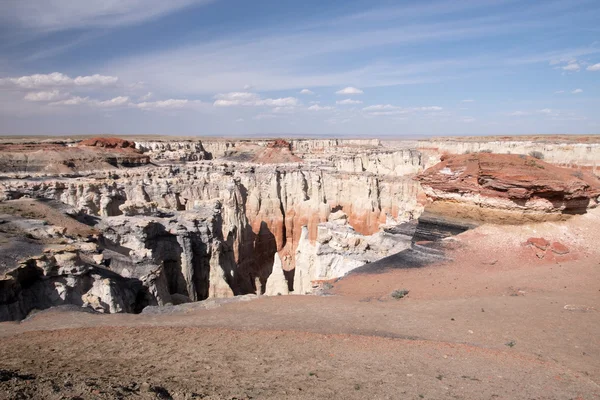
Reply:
x=507, y=188
x=193, y=220
x=186, y=230
x=65, y=277
x=63, y=158
x=563, y=151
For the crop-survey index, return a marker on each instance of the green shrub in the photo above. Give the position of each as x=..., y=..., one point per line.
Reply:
x=537, y=154
x=399, y=293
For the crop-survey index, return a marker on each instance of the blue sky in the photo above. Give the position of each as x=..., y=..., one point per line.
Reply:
x=288, y=67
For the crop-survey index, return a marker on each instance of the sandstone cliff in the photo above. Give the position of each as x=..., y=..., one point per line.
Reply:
x=568, y=153
x=507, y=188
x=220, y=218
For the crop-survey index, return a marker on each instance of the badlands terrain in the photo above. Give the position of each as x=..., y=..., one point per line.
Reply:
x=158, y=268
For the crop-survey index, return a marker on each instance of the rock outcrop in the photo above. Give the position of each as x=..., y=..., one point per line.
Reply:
x=220, y=218
x=109, y=143
x=61, y=158
x=507, y=188
x=277, y=285
x=65, y=277
x=568, y=151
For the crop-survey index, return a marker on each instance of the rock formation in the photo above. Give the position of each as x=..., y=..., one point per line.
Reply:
x=180, y=221
x=277, y=285
x=566, y=150
x=507, y=188
x=62, y=158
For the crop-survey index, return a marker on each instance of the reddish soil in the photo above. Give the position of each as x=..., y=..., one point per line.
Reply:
x=277, y=151
x=497, y=321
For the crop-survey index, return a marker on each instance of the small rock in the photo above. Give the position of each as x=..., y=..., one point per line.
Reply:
x=559, y=248
x=540, y=243
x=572, y=307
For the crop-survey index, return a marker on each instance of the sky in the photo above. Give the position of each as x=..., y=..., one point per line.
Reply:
x=360, y=68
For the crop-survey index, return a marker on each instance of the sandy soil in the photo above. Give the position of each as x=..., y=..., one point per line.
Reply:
x=501, y=320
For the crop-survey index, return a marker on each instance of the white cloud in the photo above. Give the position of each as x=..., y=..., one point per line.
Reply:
x=595, y=67
x=348, y=102
x=60, y=15
x=519, y=113
x=57, y=79
x=170, y=103
x=78, y=100
x=115, y=102
x=349, y=90
x=544, y=111
x=307, y=92
x=572, y=66
x=45, y=96
x=72, y=101
x=146, y=97
x=283, y=110
x=388, y=109
x=252, y=100
x=577, y=91
x=378, y=107
x=316, y=107
x=95, y=80
x=468, y=101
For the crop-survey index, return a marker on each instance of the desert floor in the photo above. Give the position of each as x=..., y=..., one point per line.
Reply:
x=499, y=319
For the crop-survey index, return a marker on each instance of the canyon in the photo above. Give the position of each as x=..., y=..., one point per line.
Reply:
x=180, y=268
x=138, y=223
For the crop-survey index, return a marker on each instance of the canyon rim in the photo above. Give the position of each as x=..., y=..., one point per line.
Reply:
x=170, y=233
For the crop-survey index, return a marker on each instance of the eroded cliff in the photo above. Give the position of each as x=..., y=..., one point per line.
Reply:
x=190, y=220
x=212, y=220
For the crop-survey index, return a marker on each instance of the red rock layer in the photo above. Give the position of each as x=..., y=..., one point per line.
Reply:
x=110, y=143
x=509, y=176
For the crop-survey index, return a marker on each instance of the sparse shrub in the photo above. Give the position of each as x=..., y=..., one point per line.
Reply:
x=512, y=343
x=399, y=293
x=578, y=174
x=486, y=151
x=537, y=154
x=467, y=152
x=532, y=163
x=521, y=156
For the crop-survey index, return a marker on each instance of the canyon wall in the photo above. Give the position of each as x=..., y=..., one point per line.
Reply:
x=191, y=220
x=200, y=223
x=565, y=153
x=263, y=207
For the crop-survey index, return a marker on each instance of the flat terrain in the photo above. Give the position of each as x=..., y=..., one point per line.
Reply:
x=500, y=319
x=537, y=138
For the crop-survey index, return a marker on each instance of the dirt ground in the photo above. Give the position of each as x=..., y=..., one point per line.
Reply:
x=501, y=319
